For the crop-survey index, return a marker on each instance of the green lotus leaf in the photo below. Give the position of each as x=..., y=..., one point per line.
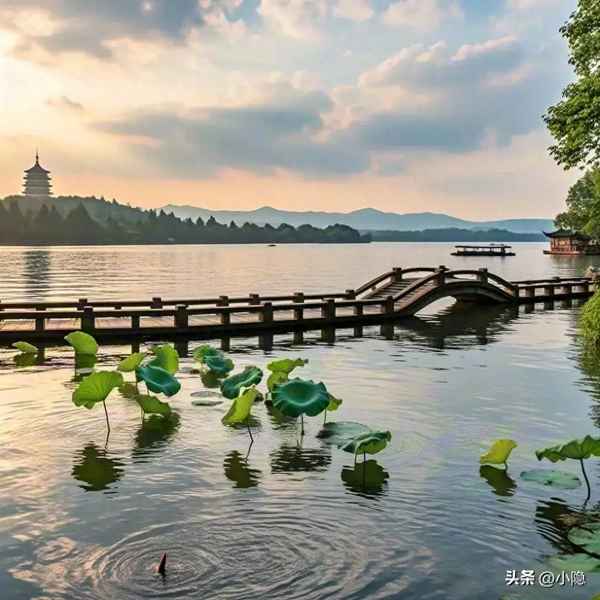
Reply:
x=276, y=378
x=96, y=387
x=340, y=432
x=240, y=408
x=231, y=387
x=586, y=537
x=210, y=379
x=82, y=343
x=158, y=380
x=167, y=358
x=26, y=347
x=498, y=453
x=131, y=363
x=334, y=403
x=25, y=360
x=367, y=443
x=219, y=364
x=574, y=562
x=575, y=449
x=553, y=478
x=129, y=390
x=85, y=362
x=286, y=365
x=202, y=352
x=151, y=405
x=301, y=397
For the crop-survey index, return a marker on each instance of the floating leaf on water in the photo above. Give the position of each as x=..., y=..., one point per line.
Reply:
x=232, y=386
x=158, y=380
x=151, y=405
x=276, y=378
x=586, y=537
x=574, y=562
x=131, y=362
x=167, y=358
x=82, y=343
x=371, y=442
x=575, y=449
x=340, y=432
x=207, y=402
x=219, y=364
x=498, y=453
x=286, y=365
x=26, y=347
x=551, y=477
x=240, y=408
x=96, y=387
x=301, y=397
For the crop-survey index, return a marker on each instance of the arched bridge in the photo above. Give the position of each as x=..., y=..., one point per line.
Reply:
x=411, y=290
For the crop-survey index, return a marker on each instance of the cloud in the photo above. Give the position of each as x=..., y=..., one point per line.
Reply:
x=422, y=15
x=65, y=103
x=354, y=10
x=295, y=18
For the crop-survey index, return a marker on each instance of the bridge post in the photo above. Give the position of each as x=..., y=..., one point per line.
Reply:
x=568, y=289
x=328, y=309
x=299, y=312
x=358, y=311
x=82, y=303
x=87, y=320
x=225, y=317
x=266, y=316
x=39, y=322
x=387, y=306
x=254, y=299
x=585, y=287
x=549, y=290
x=482, y=275
x=223, y=301
x=135, y=324
x=351, y=294
x=397, y=274
x=529, y=292
x=181, y=316
x=441, y=278
x=156, y=302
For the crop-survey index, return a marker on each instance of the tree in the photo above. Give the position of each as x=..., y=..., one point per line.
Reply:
x=583, y=206
x=575, y=120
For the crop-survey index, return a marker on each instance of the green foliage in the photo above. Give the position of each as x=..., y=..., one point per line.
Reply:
x=231, y=387
x=301, y=397
x=239, y=412
x=575, y=449
x=131, y=362
x=158, y=380
x=340, y=432
x=552, y=478
x=82, y=343
x=151, y=405
x=205, y=350
x=575, y=120
x=25, y=348
x=583, y=206
x=276, y=378
x=371, y=442
x=590, y=319
x=219, y=364
x=167, y=358
x=96, y=387
x=568, y=563
x=286, y=365
x=586, y=537
x=334, y=403
x=498, y=453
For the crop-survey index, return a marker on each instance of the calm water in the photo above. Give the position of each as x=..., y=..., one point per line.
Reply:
x=83, y=518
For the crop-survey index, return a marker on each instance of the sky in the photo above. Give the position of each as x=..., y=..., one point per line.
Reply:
x=400, y=105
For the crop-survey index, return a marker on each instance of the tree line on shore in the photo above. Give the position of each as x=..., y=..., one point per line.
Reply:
x=48, y=225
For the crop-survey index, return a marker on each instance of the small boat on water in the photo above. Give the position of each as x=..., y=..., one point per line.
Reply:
x=488, y=250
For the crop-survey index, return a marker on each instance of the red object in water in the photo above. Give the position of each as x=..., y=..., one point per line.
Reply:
x=162, y=567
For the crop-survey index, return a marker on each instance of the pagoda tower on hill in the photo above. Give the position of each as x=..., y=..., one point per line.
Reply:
x=37, y=181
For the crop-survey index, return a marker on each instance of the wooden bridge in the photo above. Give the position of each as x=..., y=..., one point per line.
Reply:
x=392, y=296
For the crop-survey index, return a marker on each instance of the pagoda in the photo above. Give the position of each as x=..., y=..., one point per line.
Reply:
x=37, y=181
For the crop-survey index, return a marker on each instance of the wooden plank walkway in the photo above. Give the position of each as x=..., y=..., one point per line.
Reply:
x=391, y=296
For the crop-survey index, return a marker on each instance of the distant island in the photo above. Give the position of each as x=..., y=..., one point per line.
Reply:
x=76, y=220
x=365, y=219
x=456, y=235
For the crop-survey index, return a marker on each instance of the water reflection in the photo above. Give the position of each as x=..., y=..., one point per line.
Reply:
x=499, y=480
x=288, y=459
x=95, y=470
x=554, y=518
x=366, y=478
x=37, y=280
x=154, y=434
x=238, y=470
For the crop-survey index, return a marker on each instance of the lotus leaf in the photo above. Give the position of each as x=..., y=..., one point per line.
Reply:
x=219, y=364
x=231, y=387
x=26, y=347
x=334, y=403
x=167, y=358
x=151, y=405
x=286, y=365
x=301, y=397
x=205, y=350
x=498, y=453
x=240, y=408
x=210, y=379
x=587, y=537
x=96, y=388
x=276, y=378
x=85, y=362
x=25, y=360
x=553, y=478
x=158, y=380
x=131, y=363
x=129, y=390
x=82, y=343
x=574, y=562
x=575, y=449
x=367, y=443
x=342, y=431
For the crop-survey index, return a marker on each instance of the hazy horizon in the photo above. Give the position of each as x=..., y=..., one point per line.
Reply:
x=404, y=106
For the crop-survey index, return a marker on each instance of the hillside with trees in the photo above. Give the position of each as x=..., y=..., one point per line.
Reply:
x=75, y=220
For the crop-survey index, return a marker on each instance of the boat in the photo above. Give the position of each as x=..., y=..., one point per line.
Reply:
x=488, y=250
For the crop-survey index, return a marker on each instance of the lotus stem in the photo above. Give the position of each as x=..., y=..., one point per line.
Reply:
x=302, y=425
x=324, y=416
x=587, y=481
x=106, y=413
x=249, y=431
x=364, y=457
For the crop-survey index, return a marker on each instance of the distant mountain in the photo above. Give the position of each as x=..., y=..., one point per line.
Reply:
x=365, y=219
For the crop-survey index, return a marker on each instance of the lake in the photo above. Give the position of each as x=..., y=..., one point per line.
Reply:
x=86, y=517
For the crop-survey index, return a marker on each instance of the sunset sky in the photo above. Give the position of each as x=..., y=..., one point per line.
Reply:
x=401, y=105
